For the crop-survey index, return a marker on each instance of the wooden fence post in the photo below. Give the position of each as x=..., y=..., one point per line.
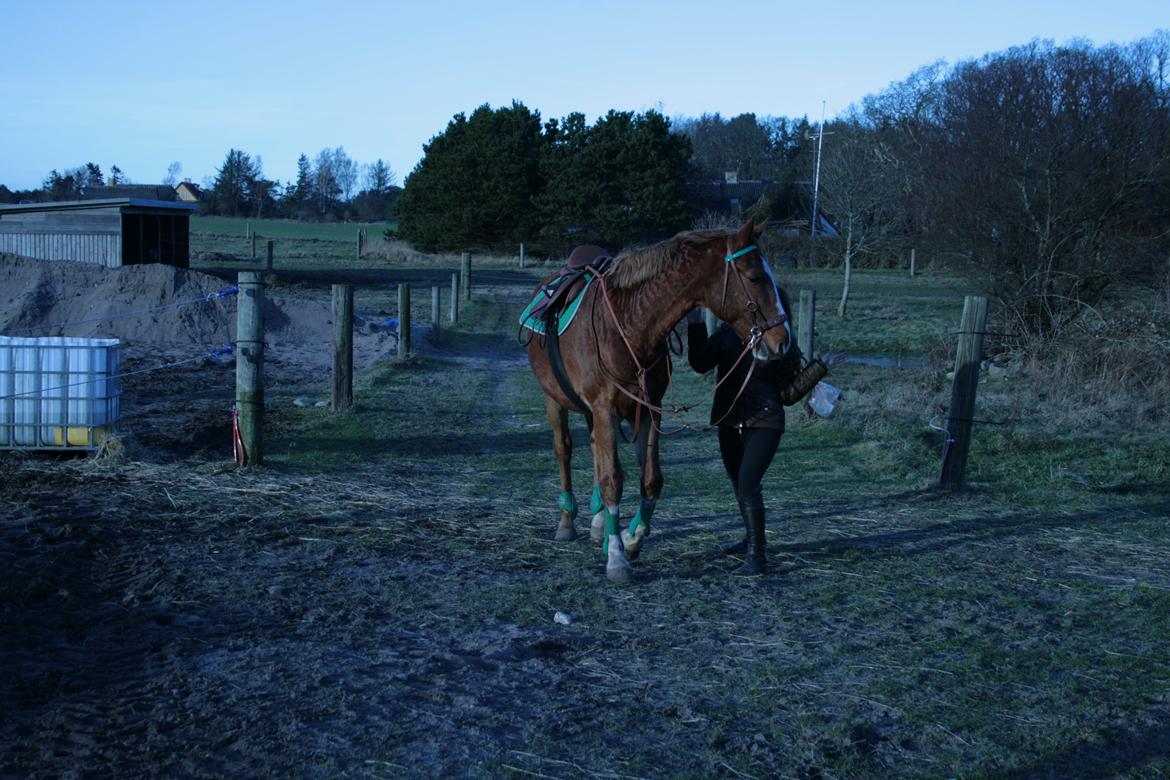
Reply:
x=250, y=365
x=522, y=254
x=806, y=321
x=269, y=266
x=254, y=237
x=454, y=297
x=360, y=243
x=247, y=231
x=403, y=320
x=342, y=347
x=968, y=358
x=912, y=261
x=465, y=273
x=436, y=315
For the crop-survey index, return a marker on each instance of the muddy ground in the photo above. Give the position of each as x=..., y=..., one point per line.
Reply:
x=378, y=602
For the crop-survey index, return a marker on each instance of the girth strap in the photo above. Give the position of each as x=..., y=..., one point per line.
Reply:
x=558, y=367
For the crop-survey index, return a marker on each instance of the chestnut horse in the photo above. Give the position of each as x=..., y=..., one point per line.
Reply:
x=614, y=358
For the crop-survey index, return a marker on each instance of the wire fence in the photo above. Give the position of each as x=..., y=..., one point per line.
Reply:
x=211, y=354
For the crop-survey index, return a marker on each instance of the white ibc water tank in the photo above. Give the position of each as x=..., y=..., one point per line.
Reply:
x=57, y=392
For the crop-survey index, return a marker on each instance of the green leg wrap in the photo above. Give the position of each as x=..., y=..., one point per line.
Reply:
x=611, y=529
x=642, y=516
x=595, y=502
x=568, y=503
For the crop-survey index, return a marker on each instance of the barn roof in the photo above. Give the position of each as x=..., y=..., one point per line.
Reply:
x=143, y=191
x=104, y=203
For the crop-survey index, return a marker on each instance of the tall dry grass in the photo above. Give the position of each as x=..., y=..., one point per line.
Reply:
x=399, y=251
x=1111, y=366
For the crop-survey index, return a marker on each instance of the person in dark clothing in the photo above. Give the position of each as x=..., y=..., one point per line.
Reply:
x=750, y=418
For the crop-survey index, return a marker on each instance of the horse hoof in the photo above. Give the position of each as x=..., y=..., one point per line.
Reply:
x=597, y=528
x=617, y=566
x=621, y=573
x=566, y=531
x=633, y=544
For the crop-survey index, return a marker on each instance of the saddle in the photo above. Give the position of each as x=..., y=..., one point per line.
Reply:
x=556, y=294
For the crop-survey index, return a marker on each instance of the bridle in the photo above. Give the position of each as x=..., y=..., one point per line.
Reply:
x=753, y=306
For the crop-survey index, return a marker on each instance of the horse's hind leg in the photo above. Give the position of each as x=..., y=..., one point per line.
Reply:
x=651, y=485
x=558, y=418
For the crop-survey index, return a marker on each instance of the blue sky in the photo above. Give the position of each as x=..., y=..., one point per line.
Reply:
x=142, y=84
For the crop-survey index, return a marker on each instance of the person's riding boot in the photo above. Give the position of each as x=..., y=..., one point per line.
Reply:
x=756, y=561
x=739, y=547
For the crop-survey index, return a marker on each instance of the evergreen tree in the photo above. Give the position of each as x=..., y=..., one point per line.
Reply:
x=476, y=182
x=232, y=192
x=61, y=186
x=90, y=176
x=299, y=195
x=620, y=180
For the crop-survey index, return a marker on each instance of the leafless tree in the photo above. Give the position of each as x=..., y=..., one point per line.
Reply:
x=1048, y=169
x=859, y=193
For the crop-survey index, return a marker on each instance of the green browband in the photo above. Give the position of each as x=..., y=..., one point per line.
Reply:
x=740, y=253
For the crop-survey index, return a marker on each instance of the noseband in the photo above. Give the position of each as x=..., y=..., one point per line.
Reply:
x=753, y=306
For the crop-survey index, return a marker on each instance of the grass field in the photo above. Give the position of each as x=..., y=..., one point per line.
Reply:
x=237, y=227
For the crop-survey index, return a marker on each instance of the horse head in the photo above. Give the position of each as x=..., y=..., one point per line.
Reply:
x=744, y=293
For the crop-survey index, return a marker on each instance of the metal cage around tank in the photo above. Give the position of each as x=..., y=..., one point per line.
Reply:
x=58, y=393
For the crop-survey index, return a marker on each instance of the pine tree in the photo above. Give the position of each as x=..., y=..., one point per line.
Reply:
x=476, y=182
x=232, y=192
x=619, y=181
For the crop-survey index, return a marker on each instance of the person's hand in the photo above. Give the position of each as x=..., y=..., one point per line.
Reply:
x=833, y=359
x=695, y=316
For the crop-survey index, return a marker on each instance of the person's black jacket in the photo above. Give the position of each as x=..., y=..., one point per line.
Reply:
x=759, y=406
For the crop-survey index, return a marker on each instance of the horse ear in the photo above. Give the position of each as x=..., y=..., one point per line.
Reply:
x=744, y=236
x=758, y=230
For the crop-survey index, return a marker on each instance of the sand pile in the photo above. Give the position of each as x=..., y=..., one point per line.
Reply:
x=54, y=298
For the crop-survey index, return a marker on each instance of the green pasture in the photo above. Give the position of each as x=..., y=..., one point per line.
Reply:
x=1014, y=629
x=285, y=228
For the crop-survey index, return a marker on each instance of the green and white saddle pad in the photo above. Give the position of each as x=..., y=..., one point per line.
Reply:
x=536, y=325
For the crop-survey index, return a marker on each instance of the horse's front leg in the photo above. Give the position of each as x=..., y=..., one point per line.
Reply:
x=651, y=484
x=608, y=471
x=558, y=418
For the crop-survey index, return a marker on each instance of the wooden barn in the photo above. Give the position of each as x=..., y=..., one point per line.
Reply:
x=111, y=232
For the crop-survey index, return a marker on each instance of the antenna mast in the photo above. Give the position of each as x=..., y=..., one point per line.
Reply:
x=817, y=174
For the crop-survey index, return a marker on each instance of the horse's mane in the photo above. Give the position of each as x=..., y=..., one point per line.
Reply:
x=636, y=266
